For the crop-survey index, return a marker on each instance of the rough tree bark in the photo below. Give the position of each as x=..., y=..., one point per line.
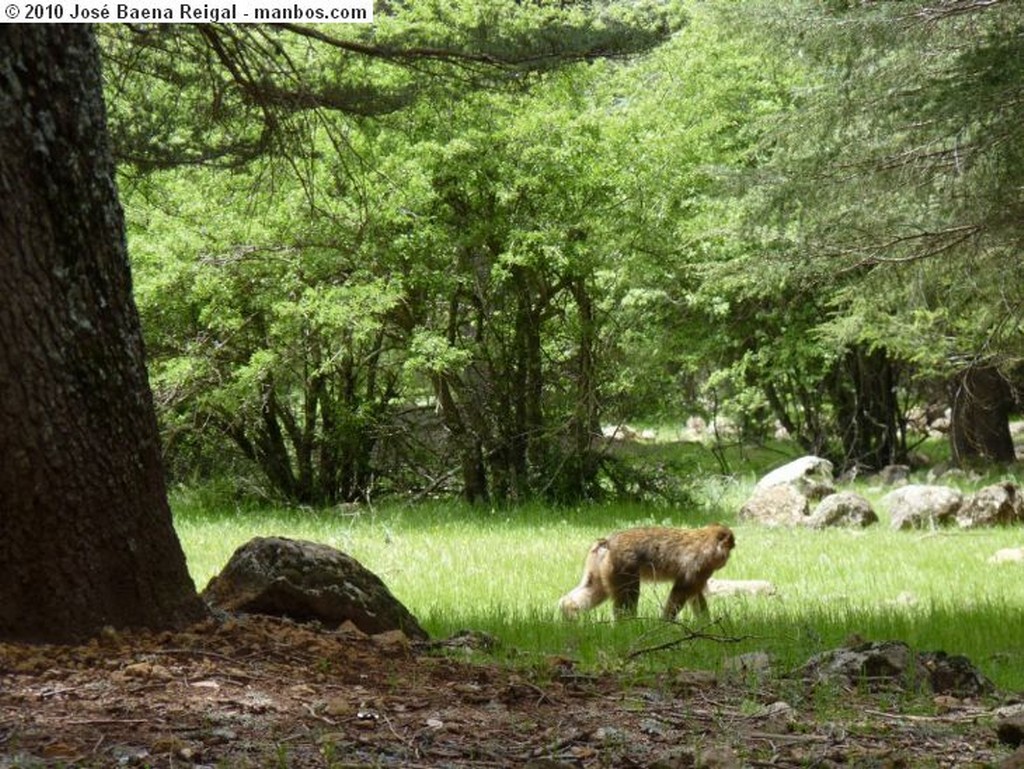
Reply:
x=86, y=538
x=981, y=400
x=867, y=409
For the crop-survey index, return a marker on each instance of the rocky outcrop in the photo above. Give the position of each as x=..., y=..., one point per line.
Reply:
x=802, y=493
x=925, y=506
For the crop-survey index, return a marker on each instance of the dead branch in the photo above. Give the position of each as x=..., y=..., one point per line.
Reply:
x=701, y=634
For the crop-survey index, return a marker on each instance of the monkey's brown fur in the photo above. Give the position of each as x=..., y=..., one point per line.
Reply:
x=616, y=565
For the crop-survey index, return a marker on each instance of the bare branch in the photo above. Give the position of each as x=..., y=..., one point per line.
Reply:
x=955, y=8
x=690, y=635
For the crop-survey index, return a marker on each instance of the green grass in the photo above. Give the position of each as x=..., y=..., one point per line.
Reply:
x=503, y=571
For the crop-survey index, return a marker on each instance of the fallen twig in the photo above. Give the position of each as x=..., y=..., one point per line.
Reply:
x=701, y=634
x=951, y=718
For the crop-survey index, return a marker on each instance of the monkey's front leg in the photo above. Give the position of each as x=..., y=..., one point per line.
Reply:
x=626, y=595
x=683, y=591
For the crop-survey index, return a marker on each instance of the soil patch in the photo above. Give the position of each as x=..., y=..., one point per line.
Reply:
x=261, y=692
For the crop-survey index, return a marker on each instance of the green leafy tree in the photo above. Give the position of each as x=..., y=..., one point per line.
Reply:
x=901, y=190
x=393, y=295
x=273, y=331
x=519, y=207
x=811, y=221
x=704, y=322
x=227, y=95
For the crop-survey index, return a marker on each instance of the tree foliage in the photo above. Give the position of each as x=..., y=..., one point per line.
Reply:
x=893, y=186
x=424, y=257
x=403, y=303
x=227, y=95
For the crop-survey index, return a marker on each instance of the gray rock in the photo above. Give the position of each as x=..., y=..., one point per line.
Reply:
x=955, y=674
x=1011, y=731
x=781, y=505
x=918, y=506
x=886, y=664
x=892, y=475
x=739, y=587
x=1008, y=555
x=876, y=664
x=1000, y=504
x=810, y=475
x=783, y=497
x=751, y=662
x=307, y=581
x=844, y=508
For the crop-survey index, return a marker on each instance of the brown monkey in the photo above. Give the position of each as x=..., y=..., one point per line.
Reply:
x=617, y=564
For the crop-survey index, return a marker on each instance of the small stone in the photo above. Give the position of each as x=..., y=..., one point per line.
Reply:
x=1008, y=555
x=339, y=706
x=718, y=757
x=1010, y=731
x=1015, y=761
x=148, y=670
x=696, y=679
x=739, y=587
x=752, y=662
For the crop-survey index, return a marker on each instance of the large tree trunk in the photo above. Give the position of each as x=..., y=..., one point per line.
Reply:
x=867, y=410
x=981, y=400
x=85, y=530
x=585, y=421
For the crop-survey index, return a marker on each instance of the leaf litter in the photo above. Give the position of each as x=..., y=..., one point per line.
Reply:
x=258, y=691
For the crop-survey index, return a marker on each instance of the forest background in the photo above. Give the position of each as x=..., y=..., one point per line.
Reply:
x=421, y=272
x=441, y=256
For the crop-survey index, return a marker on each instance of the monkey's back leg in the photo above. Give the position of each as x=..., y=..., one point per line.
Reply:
x=591, y=591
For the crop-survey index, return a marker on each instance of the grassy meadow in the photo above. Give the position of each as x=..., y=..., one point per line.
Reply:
x=502, y=571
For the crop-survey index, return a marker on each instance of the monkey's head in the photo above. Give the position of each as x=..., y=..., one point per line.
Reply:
x=569, y=607
x=724, y=541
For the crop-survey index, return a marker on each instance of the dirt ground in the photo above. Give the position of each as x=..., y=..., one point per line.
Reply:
x=259, y=692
